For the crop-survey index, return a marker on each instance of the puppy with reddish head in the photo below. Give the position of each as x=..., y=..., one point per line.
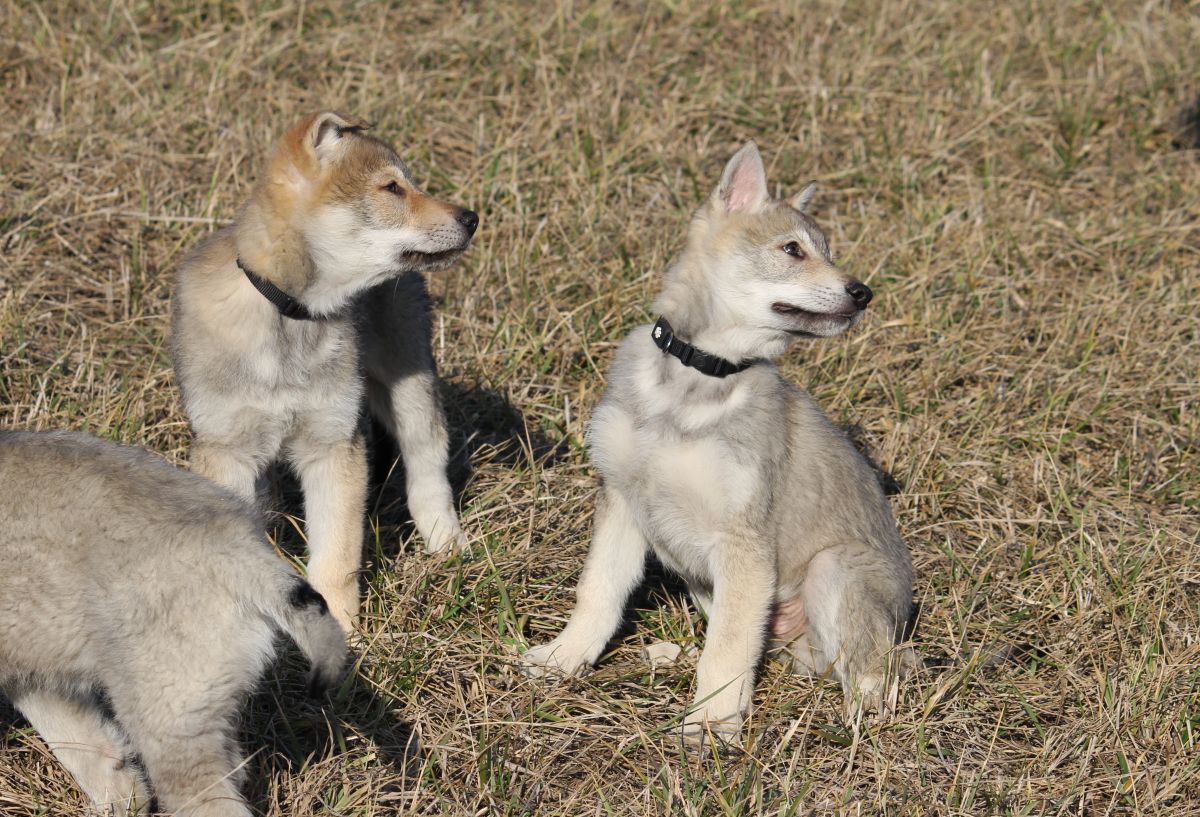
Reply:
x=311, y=302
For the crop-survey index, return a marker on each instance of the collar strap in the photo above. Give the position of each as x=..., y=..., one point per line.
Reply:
x=689, y=355
x=288, y=306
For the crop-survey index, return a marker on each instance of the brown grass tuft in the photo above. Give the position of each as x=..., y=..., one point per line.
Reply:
x=1016, y=181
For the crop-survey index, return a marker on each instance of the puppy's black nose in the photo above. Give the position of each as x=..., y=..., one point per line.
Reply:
x=468, y=219
x=861, y=293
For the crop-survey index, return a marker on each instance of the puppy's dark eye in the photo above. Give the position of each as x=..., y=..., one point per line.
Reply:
x=394, y=189
x=794, y=249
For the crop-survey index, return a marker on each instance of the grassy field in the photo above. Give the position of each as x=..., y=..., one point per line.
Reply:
x=1019, y=183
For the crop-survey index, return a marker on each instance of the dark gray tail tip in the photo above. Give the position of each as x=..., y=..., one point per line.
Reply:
x=322, y=681
x=327, y=675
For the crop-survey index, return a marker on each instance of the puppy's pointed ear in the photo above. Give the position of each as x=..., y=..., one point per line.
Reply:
x=801, y=200
x=743, y=187
x=313, y=143
x=327, y=129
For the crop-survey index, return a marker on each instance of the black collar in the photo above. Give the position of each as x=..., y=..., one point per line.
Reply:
x=288, y=306
x=689, y=355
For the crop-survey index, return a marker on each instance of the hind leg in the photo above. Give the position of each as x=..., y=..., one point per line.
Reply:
x=196, y=775
x=89, y=746
x=804, y=658
x=182, y=720
x=852, y=606
x=178, y=694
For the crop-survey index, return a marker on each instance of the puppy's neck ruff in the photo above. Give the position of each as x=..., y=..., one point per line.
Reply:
x=285, y=304
x=704, y=362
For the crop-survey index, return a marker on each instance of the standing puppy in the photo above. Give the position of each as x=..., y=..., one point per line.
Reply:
x=732, y=475
x=138, y=607
x=311, y=299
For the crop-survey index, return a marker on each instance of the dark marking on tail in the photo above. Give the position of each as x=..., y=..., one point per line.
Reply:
x=303, y=595
x=308, y=622
x=318, y=685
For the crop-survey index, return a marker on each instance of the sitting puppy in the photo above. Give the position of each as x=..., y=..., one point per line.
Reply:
x=309, y=303
x=139, y=605
x=732, y=475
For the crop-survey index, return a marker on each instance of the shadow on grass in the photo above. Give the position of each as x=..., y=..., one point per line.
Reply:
x=286, y=730
x=660, y=588
x=858, y=438
x=8, y=718
x=1187, y=127
x=290, y=729
x=483, y=426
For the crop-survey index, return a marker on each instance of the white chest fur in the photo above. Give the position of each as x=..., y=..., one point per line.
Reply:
x=685, y=488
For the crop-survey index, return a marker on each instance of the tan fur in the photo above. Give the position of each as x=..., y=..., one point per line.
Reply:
x=338, y=223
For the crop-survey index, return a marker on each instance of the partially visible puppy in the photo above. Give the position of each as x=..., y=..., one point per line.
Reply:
x=312, y=301
x=139, y=604
x=733, y=476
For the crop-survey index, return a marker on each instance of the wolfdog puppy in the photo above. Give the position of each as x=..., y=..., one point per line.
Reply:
x=311, y=299
x=139, y=605
x=733, y=476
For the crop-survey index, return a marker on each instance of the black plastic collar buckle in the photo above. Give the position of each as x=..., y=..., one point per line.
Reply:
x=703, y=362
x=286, y=305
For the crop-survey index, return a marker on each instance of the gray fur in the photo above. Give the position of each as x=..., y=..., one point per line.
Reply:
x=139, y=605
x=741, y=485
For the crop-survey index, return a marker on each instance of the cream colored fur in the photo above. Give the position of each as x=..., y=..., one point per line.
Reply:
x=139, y=604
x=741, y=485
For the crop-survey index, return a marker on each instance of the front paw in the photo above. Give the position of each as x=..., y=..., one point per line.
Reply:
x=443, y=535
x=555, y=658
x=702, y=728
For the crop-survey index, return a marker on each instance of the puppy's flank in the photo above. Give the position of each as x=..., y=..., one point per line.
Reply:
x=734, y=477
x=139, y=604
x=310, y=302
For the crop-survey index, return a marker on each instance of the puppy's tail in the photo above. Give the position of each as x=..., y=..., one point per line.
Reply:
x=302, y=613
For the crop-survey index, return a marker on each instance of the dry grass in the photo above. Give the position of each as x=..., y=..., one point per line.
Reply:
x=1020, y=184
